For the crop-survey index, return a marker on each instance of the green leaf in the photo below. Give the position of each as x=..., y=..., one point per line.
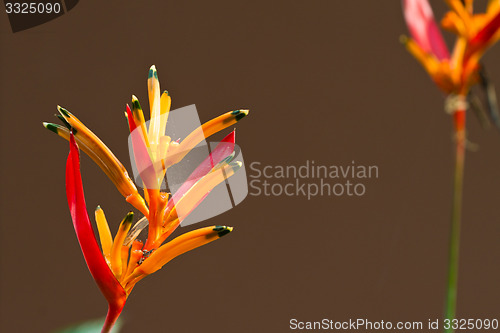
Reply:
x=91, y=326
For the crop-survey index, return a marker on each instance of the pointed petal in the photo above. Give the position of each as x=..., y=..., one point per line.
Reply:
x=154, y=103
x=165, y=103
x=136, y=230
x=109, y=285
x=204, y=131
x=423, y=28
x=221, y=151
x=104, y=233
x=105, y=158
x=116, y=249
x=138, y=117
x=102, y=156
x=182, y=244
x=195, y=195
x=142, y=158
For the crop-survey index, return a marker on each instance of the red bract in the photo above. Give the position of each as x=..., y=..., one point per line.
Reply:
x=110, y=287
x=486, y=35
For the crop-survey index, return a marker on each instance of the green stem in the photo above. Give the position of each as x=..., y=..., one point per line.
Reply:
x=456, y=212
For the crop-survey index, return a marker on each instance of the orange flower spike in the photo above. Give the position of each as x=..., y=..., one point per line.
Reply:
x=138, y=118
x=465, y=16
x=185, y=205
x=427, y=60
x=177, y=153
x=452, y=22
x=223, y=152
x=116, y=249
x=104, y=234
x=142, y=157
x=456, y=62
x=101, y=155
x=165, y=104
x=138, y=122
x=174, y=248
x=148, y=173
x=154, y=104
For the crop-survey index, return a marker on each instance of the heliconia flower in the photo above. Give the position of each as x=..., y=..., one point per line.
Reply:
x=454, y=74
x=123, y=260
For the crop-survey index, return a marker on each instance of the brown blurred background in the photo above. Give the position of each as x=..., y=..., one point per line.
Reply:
x=324, y=80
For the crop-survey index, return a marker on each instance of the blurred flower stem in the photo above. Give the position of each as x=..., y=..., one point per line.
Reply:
x=454, y=73
x=456, y=216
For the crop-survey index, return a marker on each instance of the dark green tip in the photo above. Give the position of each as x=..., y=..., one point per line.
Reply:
x=65, y=122
x=63, y=111
x=240, y=116
x=166, y=92
x=136, y=105
x=98, y=207
x=222, y=230
x=150, y=74
x=128, y=219
x=50, y=127
x=155, y=74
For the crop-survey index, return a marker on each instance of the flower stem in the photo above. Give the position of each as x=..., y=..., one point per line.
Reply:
x=113, y=314
x=456, y=212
